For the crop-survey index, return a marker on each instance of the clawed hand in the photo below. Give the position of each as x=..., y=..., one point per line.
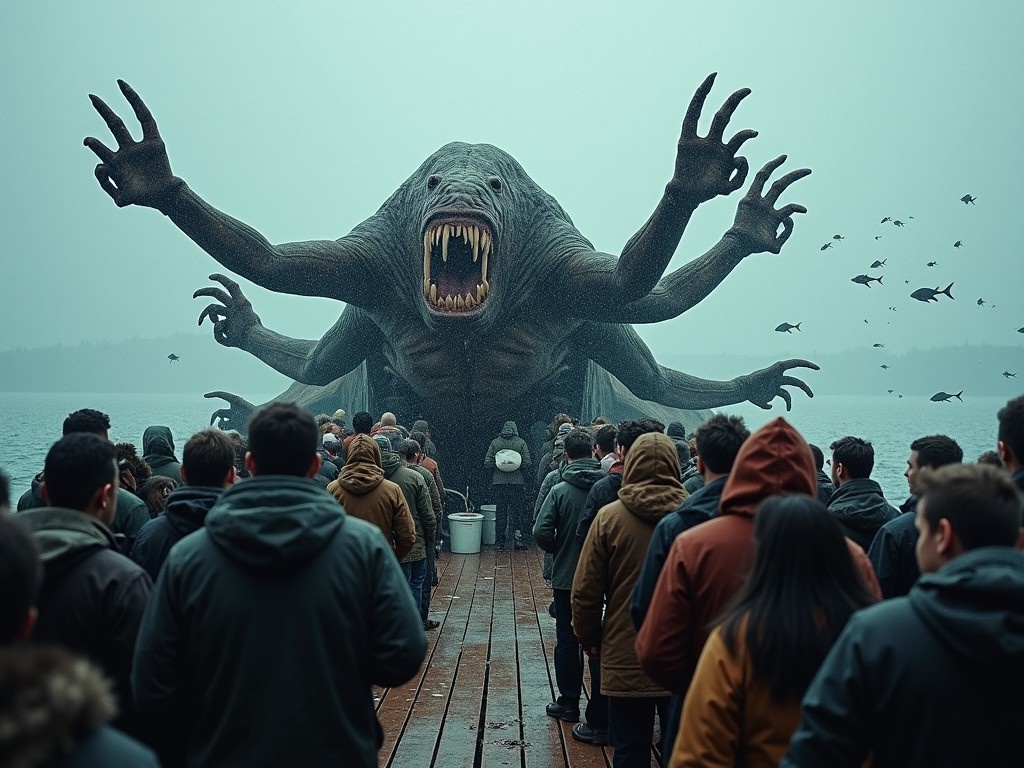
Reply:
x=757, y=221
x=707, y=166
x=233, y=318
x=235, y=416
x=763, y=386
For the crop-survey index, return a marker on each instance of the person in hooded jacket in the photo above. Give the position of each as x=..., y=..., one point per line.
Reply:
x=207, y=469
x=602, y=587
x=555, y=533
x=933, y=678
x=270, y=625
x=825, y=485
x=364, y=493
x=410, y=451
x=158, y=452
x=508, y=488
x=93, y=597
x=708, y=563
x=857, y=501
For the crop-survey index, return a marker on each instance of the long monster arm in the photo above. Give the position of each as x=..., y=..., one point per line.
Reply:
x=139, y=173
x=620, y=351
x=754, y=230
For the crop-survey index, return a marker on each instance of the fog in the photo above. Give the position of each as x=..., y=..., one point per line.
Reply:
x=300, y=121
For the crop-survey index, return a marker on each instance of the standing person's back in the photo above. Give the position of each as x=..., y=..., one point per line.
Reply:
x=857, y=501
x=270, y=625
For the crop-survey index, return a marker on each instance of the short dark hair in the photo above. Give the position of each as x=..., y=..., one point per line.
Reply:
x=129, y=460
x=76, y=467
x=937, y=451
x=419, y=437
x=283, y=439
x=21, y=574
x=362, y=423
x=605, y=437
x=5, y=491
x=409, y=448
x=578, y=444
x=719, y=439
x=855, y=454
x=629, y=431
x=1011, y=426
x=208, y=457
x=981, y=502
x=819, y=457
x=989, y=457
x=87, y=420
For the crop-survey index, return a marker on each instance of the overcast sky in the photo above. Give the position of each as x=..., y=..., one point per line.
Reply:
x=300, y=118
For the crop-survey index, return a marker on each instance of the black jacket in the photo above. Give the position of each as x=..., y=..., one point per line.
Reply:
x=602, y=493
x=931, y=679
x=131, y=514
x=825, y=487
x=185, y=512
x=861, y=509
x=700, y=506
x=92, y=599
x=893, y=552
x=269, y=627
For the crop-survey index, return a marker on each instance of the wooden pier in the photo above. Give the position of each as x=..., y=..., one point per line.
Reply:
x=479, y=698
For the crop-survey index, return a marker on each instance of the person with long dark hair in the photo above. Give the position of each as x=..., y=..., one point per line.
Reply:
x=744, y=702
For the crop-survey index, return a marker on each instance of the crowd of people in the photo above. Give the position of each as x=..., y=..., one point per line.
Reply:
x=720, y=585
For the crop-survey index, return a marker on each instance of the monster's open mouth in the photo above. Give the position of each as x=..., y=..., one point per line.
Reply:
x=455, y=253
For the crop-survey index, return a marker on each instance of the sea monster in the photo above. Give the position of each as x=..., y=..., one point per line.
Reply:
x=470, y=297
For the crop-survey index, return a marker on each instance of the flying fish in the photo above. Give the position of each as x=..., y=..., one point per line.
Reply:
x=929, y=294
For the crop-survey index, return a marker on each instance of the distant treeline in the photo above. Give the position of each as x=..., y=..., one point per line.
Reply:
x=141, y=365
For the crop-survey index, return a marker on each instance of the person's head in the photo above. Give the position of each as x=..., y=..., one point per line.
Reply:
x=331, y=443
x=362, y=423
x=604, y=440
x=989, y=457
x=819, y=457
x=324, y=423
x=5, y=494
x=241, y=446
x=134, y=470
x=87, y=420
x=419, y=437
x=933, y=451
x=208, y=459
x=283, y=440
x=801, y=590
x=1011, y=434
x=719, y=439
x=388, y=419
x=81, y=473
x=963, y=507
x=852, y=458
x=421, y=425
x=629, y=431
x=155, y=492
x=578, y=444
x=21, y=574
x=409, y=450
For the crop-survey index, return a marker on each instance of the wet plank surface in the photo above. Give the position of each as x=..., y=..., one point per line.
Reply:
x=479, y=698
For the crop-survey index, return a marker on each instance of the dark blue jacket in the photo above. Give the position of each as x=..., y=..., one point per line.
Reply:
x=185, y=512
x=602, y=493
x=700, y=506
x=893, y=552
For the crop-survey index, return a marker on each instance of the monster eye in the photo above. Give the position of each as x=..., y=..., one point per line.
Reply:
x=494, y=183
x=433, y=181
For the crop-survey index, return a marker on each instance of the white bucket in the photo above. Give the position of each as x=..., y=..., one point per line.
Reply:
x=465, y=529
x=490, y=531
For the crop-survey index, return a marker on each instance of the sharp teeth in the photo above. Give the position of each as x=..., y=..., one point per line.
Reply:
x=446, y=233
x=474, y=241
x=470, y=301
x=483, y=257
x=426, y=286
x=433, y=294
x=486, y=287
x=479, y=295
x=448, y=303
x=426, y=259
x=460, y=303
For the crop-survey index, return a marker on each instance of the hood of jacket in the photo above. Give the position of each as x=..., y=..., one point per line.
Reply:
x=187, y=507
x=860, y=504
x=509, y=430
x=66, y=536
x=972, y=605
x=158, y=446
x=389, y=462
x=274, y=523
x=363, y=470
x=58, y=700
x=676, y=429
x=773, y=461
x=650, y=478
x=581, y=473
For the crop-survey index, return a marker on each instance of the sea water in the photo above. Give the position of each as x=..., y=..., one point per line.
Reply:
x=30, y=422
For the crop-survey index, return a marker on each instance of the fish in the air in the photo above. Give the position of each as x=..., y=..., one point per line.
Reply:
x=958, y=244
x=173, y=358
x=886, y=367
x=897, y=223
x=825, y=247
x=878, y=345
x=968, y=199
x=838, y=237
x=933, y=263
x=876, y=263
x=890, y=391
x=929, y=294
x=892, y=309
x=878, y=237
x=866, y=280
x=1008, y=375
x=787, y=328
x=945, y=397
x=981, y=302
x=887, y=218
x=1020, y=330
